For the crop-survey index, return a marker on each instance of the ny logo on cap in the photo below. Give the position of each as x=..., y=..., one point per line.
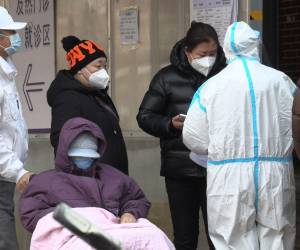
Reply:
x=77, y=54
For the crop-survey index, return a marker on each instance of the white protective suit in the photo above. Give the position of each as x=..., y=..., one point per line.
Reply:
x=13, y=130
x=242, y=118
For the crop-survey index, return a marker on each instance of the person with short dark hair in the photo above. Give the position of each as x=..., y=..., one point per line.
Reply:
x=82, y=91
x=194, y=59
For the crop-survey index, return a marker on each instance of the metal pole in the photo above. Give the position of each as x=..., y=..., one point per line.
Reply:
x=247, y=10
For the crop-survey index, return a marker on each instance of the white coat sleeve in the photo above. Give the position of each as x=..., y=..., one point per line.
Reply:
x=11, y=168
x=195, y=129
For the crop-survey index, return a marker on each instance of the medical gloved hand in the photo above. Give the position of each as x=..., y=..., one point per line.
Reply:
x=127, y=218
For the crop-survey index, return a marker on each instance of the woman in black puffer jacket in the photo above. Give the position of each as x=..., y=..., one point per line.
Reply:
x=194, y=59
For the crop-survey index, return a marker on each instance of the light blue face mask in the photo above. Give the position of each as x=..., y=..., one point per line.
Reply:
x=83, y=162
x=15, y=44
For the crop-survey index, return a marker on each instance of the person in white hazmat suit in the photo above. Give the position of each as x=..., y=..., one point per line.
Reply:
x=242, y=118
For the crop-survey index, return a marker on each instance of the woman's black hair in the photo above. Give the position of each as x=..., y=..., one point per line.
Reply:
x=199, y=33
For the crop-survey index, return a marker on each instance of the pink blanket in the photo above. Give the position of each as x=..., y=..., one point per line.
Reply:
x=50, y=235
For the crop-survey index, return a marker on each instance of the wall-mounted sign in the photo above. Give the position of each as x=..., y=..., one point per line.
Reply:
x=129, y=29
x=36, y=61
x=218, y=13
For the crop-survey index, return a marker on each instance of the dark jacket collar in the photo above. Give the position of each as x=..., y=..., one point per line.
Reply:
x=65, y=81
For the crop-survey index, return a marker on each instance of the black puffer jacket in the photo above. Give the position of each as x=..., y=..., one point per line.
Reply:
x=69, y=99
x=170, y=93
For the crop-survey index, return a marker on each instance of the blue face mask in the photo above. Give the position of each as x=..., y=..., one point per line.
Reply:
x=83, y=162
x=15, y=44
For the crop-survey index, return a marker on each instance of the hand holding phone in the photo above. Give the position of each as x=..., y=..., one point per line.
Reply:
x=177, y=121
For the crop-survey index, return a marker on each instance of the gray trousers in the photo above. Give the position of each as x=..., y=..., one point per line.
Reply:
x=8, y=238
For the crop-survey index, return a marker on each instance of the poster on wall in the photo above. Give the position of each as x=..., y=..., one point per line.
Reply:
x=129, y=30
x=218, y=13
x=35, y=61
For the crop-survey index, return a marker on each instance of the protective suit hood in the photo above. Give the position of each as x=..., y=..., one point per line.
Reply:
x=241, y=40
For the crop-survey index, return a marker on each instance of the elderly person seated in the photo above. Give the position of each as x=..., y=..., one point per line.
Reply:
x=99, y=192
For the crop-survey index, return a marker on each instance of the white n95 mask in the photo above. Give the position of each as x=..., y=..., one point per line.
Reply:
x=99, y=79
x=204, y=64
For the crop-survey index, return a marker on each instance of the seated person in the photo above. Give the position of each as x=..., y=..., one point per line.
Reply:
x=81, y=181
x=99, y=192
